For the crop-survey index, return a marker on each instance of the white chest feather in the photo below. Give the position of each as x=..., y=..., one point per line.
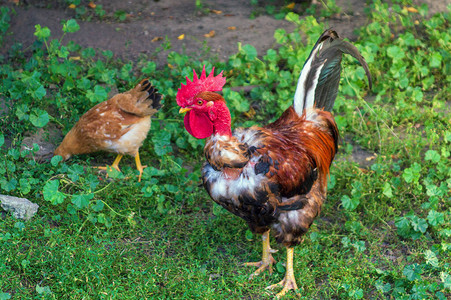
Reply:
x=224, y=187
x=130, y=142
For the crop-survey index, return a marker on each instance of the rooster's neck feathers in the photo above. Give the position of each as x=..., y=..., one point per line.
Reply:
x=221, y=119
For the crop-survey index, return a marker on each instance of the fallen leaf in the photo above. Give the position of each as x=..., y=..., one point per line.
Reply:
x=370, y=158
x=74, y=58
x=231, y=28
x=210, y=34
x=218, y=12
x=290, y=6
x=92, y=5
x=170, y=66
x=416, y=22
x=181, y=37
x=155, y=39
x=251, y=113
x=411, y=9
x=72, y=6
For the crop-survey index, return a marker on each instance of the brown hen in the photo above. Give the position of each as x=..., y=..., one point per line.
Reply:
x=118, y=125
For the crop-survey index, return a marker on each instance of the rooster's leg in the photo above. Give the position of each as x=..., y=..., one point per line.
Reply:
x=289, y=282
x=139, y=166
x=267, y=259
x=115, y=164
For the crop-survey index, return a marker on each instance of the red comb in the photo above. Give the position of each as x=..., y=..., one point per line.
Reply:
x=210, y=83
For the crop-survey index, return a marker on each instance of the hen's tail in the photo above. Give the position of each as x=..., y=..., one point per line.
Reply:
x=143, y=100
x=320, y=76
x=152, y=92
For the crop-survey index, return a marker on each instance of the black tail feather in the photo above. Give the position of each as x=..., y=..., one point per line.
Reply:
x=153, y=93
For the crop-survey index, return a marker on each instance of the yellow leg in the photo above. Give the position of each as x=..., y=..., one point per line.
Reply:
x=139, y=166
x=267, y=259
x=289, y=282
x=115, y=164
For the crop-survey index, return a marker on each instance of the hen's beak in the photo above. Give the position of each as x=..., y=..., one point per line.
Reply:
x=184, y=110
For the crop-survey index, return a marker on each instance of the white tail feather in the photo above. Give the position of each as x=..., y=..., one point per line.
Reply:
x=303, y=98
x=310, y=97
x=320, y=77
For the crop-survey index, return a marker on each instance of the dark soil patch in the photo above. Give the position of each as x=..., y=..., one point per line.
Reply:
x=147, y=21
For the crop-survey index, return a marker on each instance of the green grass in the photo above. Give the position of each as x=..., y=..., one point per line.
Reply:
x=383, y=232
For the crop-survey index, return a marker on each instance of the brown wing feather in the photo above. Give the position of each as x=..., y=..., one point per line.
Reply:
x=299, y=150
x=101, y=122
x=292, y=228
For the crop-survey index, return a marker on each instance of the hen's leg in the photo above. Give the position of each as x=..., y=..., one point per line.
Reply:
x=267, y=259
x=115, y=164
x=289, y=282
x=139, y=166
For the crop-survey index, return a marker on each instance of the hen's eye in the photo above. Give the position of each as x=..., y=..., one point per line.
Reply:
x=200, y=102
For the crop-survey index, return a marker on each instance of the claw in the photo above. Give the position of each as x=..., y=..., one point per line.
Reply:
x=261, y=265
x=107, y=167
x=289, y=282
x=267, y=259
x=115, y=164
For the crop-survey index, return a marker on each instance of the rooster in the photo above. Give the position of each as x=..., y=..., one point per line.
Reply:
x=117, y=125
x=274, y=177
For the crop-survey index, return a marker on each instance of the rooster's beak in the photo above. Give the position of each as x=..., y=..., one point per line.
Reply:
x=184, y=109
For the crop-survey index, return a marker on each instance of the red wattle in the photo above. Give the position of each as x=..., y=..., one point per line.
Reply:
x=198, y=125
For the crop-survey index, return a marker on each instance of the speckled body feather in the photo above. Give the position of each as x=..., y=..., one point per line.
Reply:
x=117, y=125
x=274, y=176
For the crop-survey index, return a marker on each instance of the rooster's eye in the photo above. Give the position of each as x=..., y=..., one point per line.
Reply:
x=200, y=102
